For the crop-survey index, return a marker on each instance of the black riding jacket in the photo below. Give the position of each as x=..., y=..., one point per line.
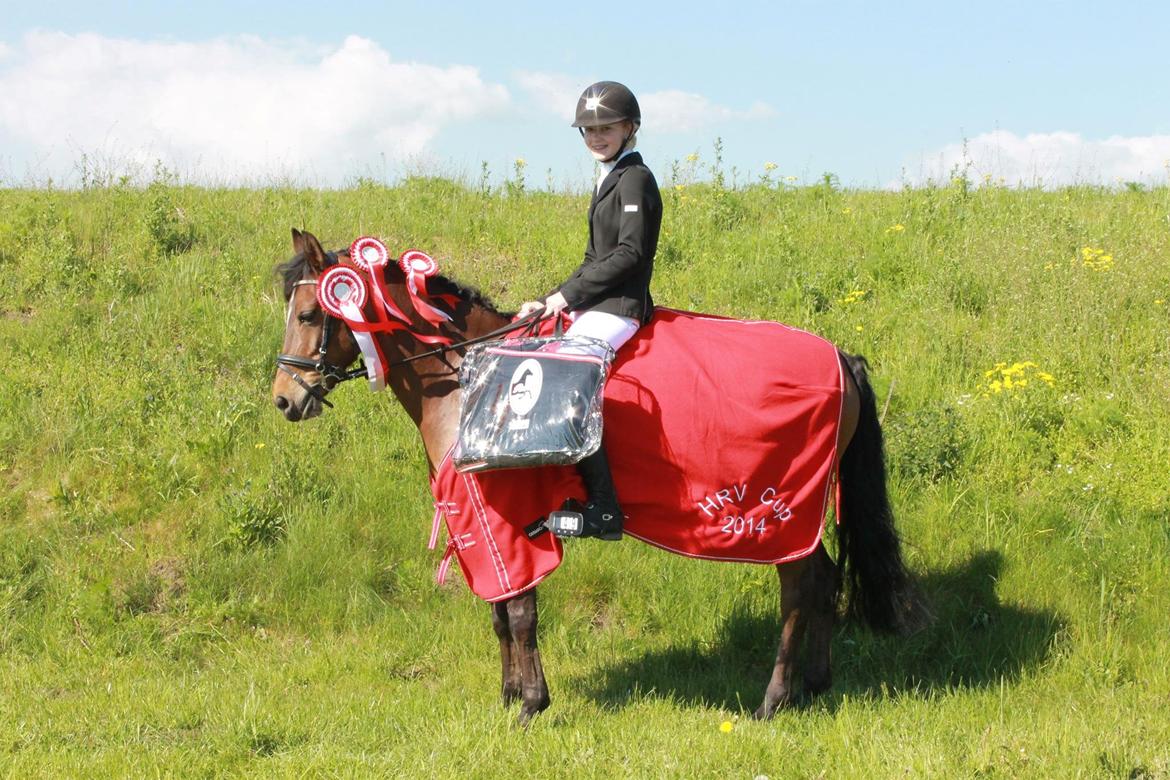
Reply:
x=624, y=218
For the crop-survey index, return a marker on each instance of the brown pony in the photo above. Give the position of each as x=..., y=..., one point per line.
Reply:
x=318, y=349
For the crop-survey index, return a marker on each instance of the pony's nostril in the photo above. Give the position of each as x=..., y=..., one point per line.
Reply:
x=281, y=403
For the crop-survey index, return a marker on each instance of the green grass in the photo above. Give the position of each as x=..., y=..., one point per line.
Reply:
x=191, y=586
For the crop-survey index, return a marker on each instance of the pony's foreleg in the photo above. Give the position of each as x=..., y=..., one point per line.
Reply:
x=509, y=660
x=522, y=621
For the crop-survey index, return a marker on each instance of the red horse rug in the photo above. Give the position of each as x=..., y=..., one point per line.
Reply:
x=722, y=437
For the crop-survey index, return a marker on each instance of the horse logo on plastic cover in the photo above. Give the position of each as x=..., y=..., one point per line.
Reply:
x=524, y=388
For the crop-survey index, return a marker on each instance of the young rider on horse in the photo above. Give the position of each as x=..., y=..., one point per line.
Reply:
x=608, y=296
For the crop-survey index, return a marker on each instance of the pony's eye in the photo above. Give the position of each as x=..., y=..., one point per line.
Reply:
x=307, y=316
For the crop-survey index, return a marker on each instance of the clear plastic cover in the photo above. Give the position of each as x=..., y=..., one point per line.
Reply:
x=531, y=402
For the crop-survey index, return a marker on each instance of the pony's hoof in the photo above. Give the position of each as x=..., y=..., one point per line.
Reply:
x=764, y=712
x=526, y=716
x=771, y=705
x=530, y=710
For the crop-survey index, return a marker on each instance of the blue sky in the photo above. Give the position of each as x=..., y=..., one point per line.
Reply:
x=874, y=92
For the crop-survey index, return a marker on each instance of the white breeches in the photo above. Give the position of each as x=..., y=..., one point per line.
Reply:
x=613, y=329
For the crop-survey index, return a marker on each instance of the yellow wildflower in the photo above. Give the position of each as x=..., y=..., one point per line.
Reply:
x=898, y=228
x=693, y=157
x=847, y=210
x=726, y=726
x=790, y=178
x=259, y=445
x=1096, y=259
x=1017, y=376
x=770, y=166
x=854, y=296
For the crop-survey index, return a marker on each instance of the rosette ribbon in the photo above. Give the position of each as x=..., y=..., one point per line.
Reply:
x=371, y=255
x=343, y=294
x=418, y=266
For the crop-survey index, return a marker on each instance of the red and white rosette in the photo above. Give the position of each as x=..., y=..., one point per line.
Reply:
x=415, y=262
x=342, y=292
x=418, y=266
x=369, y=253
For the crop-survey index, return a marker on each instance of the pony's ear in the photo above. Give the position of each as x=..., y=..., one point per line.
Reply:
x=306, y=243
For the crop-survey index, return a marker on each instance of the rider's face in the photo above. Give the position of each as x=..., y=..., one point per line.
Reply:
x=604, y=142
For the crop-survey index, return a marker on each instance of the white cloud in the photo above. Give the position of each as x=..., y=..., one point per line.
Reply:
x=232, y=108
x=1051, y=159
x=554, y=92
x=675, y=111
x=666, y=111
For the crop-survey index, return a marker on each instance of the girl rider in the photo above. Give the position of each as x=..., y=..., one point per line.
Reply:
x=608, y=296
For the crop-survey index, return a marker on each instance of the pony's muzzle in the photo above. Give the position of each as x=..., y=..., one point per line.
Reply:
x=294, y=409
x=291, y=411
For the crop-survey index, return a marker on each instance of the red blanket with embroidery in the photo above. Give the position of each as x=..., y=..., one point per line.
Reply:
x=722, y=436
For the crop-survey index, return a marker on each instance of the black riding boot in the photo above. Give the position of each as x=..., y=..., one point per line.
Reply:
x=601, y=517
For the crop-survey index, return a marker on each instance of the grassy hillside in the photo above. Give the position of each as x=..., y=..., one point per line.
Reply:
x=190, y=585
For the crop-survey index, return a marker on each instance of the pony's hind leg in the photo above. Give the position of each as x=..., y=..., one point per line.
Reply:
x=822, y=585
x=808, y=590
x=522, y=620
x=509, y=660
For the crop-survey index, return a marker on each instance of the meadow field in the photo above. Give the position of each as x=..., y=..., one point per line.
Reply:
x=192, y=586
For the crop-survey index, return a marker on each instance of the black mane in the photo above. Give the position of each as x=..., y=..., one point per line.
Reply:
x=297, y=268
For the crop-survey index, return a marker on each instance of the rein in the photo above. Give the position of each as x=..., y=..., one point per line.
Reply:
x=333, y=375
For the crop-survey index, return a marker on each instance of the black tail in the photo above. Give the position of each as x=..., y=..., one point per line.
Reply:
x=870, y=554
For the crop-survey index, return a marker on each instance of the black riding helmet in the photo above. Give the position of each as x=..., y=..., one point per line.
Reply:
x=607, y=103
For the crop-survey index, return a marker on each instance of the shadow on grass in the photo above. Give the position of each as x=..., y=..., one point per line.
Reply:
x=973, y=641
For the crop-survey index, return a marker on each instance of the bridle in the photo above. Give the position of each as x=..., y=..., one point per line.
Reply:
x=333, y=375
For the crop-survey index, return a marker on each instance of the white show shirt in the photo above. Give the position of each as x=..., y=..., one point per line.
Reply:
x=607, y=167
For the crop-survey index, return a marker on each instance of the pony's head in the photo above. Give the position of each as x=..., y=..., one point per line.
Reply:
x=316, y=351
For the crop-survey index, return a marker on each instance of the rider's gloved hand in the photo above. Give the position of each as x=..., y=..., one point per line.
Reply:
x=553, y=305
x=528, y=308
